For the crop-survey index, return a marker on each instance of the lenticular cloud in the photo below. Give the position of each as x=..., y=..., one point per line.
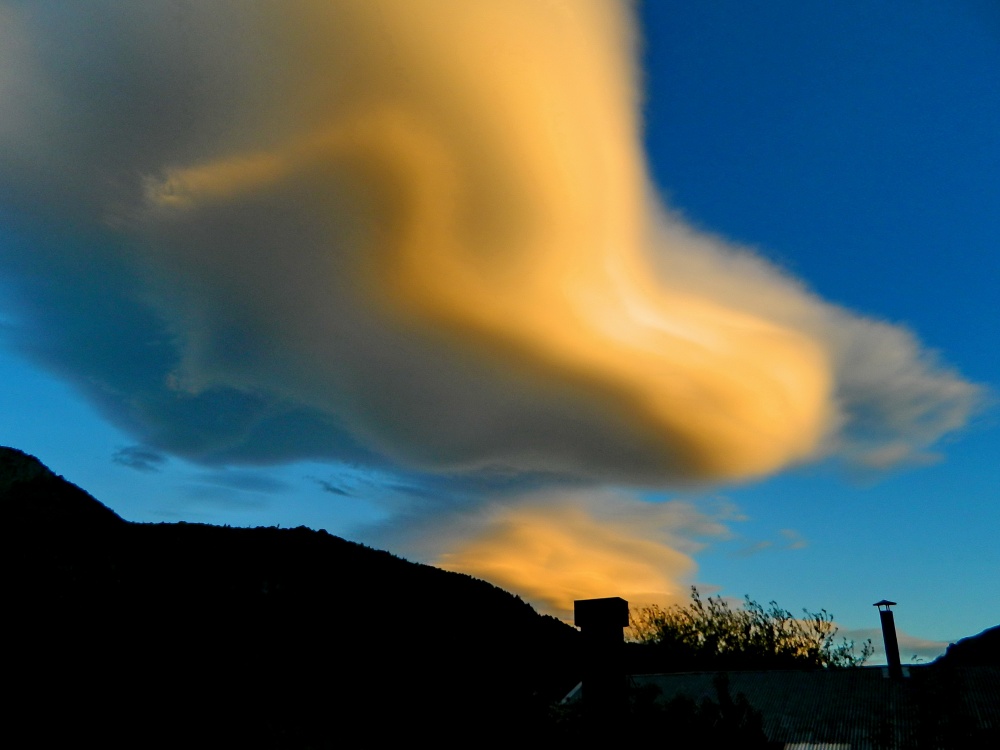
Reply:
x=413, y=233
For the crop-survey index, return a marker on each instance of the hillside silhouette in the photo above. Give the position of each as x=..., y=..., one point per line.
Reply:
x=146, y=634
x=976, y=650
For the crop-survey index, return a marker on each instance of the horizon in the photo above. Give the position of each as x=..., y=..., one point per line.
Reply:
x=876, y=659
x=716, y=308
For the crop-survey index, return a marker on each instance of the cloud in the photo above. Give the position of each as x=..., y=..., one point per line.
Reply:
x=331, y=487
x=754, y=548
x=554, y=547
x=139, y=458
x=228, y=490
x=912, y=649
x=790, y=539
x=793, y=539
x=414, y=237
x=245, y=481
x=196, y=498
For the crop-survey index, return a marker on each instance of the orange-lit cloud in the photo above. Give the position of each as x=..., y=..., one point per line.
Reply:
x=554, y=548
x=428, y=226
x=712, y=391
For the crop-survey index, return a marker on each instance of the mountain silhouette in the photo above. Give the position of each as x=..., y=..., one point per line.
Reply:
x=31, y=493
x=204, y=636
x=976, y=650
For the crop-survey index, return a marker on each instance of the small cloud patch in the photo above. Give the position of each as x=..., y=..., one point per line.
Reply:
x=330, y=487
x=789, y=539
x=244, y=481
x=140, y=458
x=753, y=549
x=792, y=539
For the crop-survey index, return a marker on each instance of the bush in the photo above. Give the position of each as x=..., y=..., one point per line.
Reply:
x=710, y=634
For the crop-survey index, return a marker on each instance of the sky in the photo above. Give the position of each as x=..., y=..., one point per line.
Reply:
x=584, y=299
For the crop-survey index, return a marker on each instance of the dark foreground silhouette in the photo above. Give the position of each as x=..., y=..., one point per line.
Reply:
x=194, y=635
x=186, y=635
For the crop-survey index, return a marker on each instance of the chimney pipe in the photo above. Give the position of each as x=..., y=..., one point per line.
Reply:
x=601, y=622
x=889, y=637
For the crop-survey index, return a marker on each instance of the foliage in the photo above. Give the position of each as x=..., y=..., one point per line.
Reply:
x=711, y=634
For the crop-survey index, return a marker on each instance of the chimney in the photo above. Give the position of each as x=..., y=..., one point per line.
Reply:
x=601, y=622
x=889, y=637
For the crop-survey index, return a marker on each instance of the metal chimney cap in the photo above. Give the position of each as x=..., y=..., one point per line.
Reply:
x=884, y=603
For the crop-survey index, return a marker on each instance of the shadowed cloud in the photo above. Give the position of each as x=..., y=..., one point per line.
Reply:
x=790, y=540
x=245, y=481
x=331, y=487
x=139, y=458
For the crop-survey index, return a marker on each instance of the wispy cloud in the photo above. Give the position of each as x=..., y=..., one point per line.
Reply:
x=790, y=539
x=754, y=548
x=332, y=487
x=198, y=499
x=140, y=458
x=793, y=539
x=245, y=481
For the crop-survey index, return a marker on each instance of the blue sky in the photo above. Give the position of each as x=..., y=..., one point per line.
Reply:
x=856, y=146
x=853, y=145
